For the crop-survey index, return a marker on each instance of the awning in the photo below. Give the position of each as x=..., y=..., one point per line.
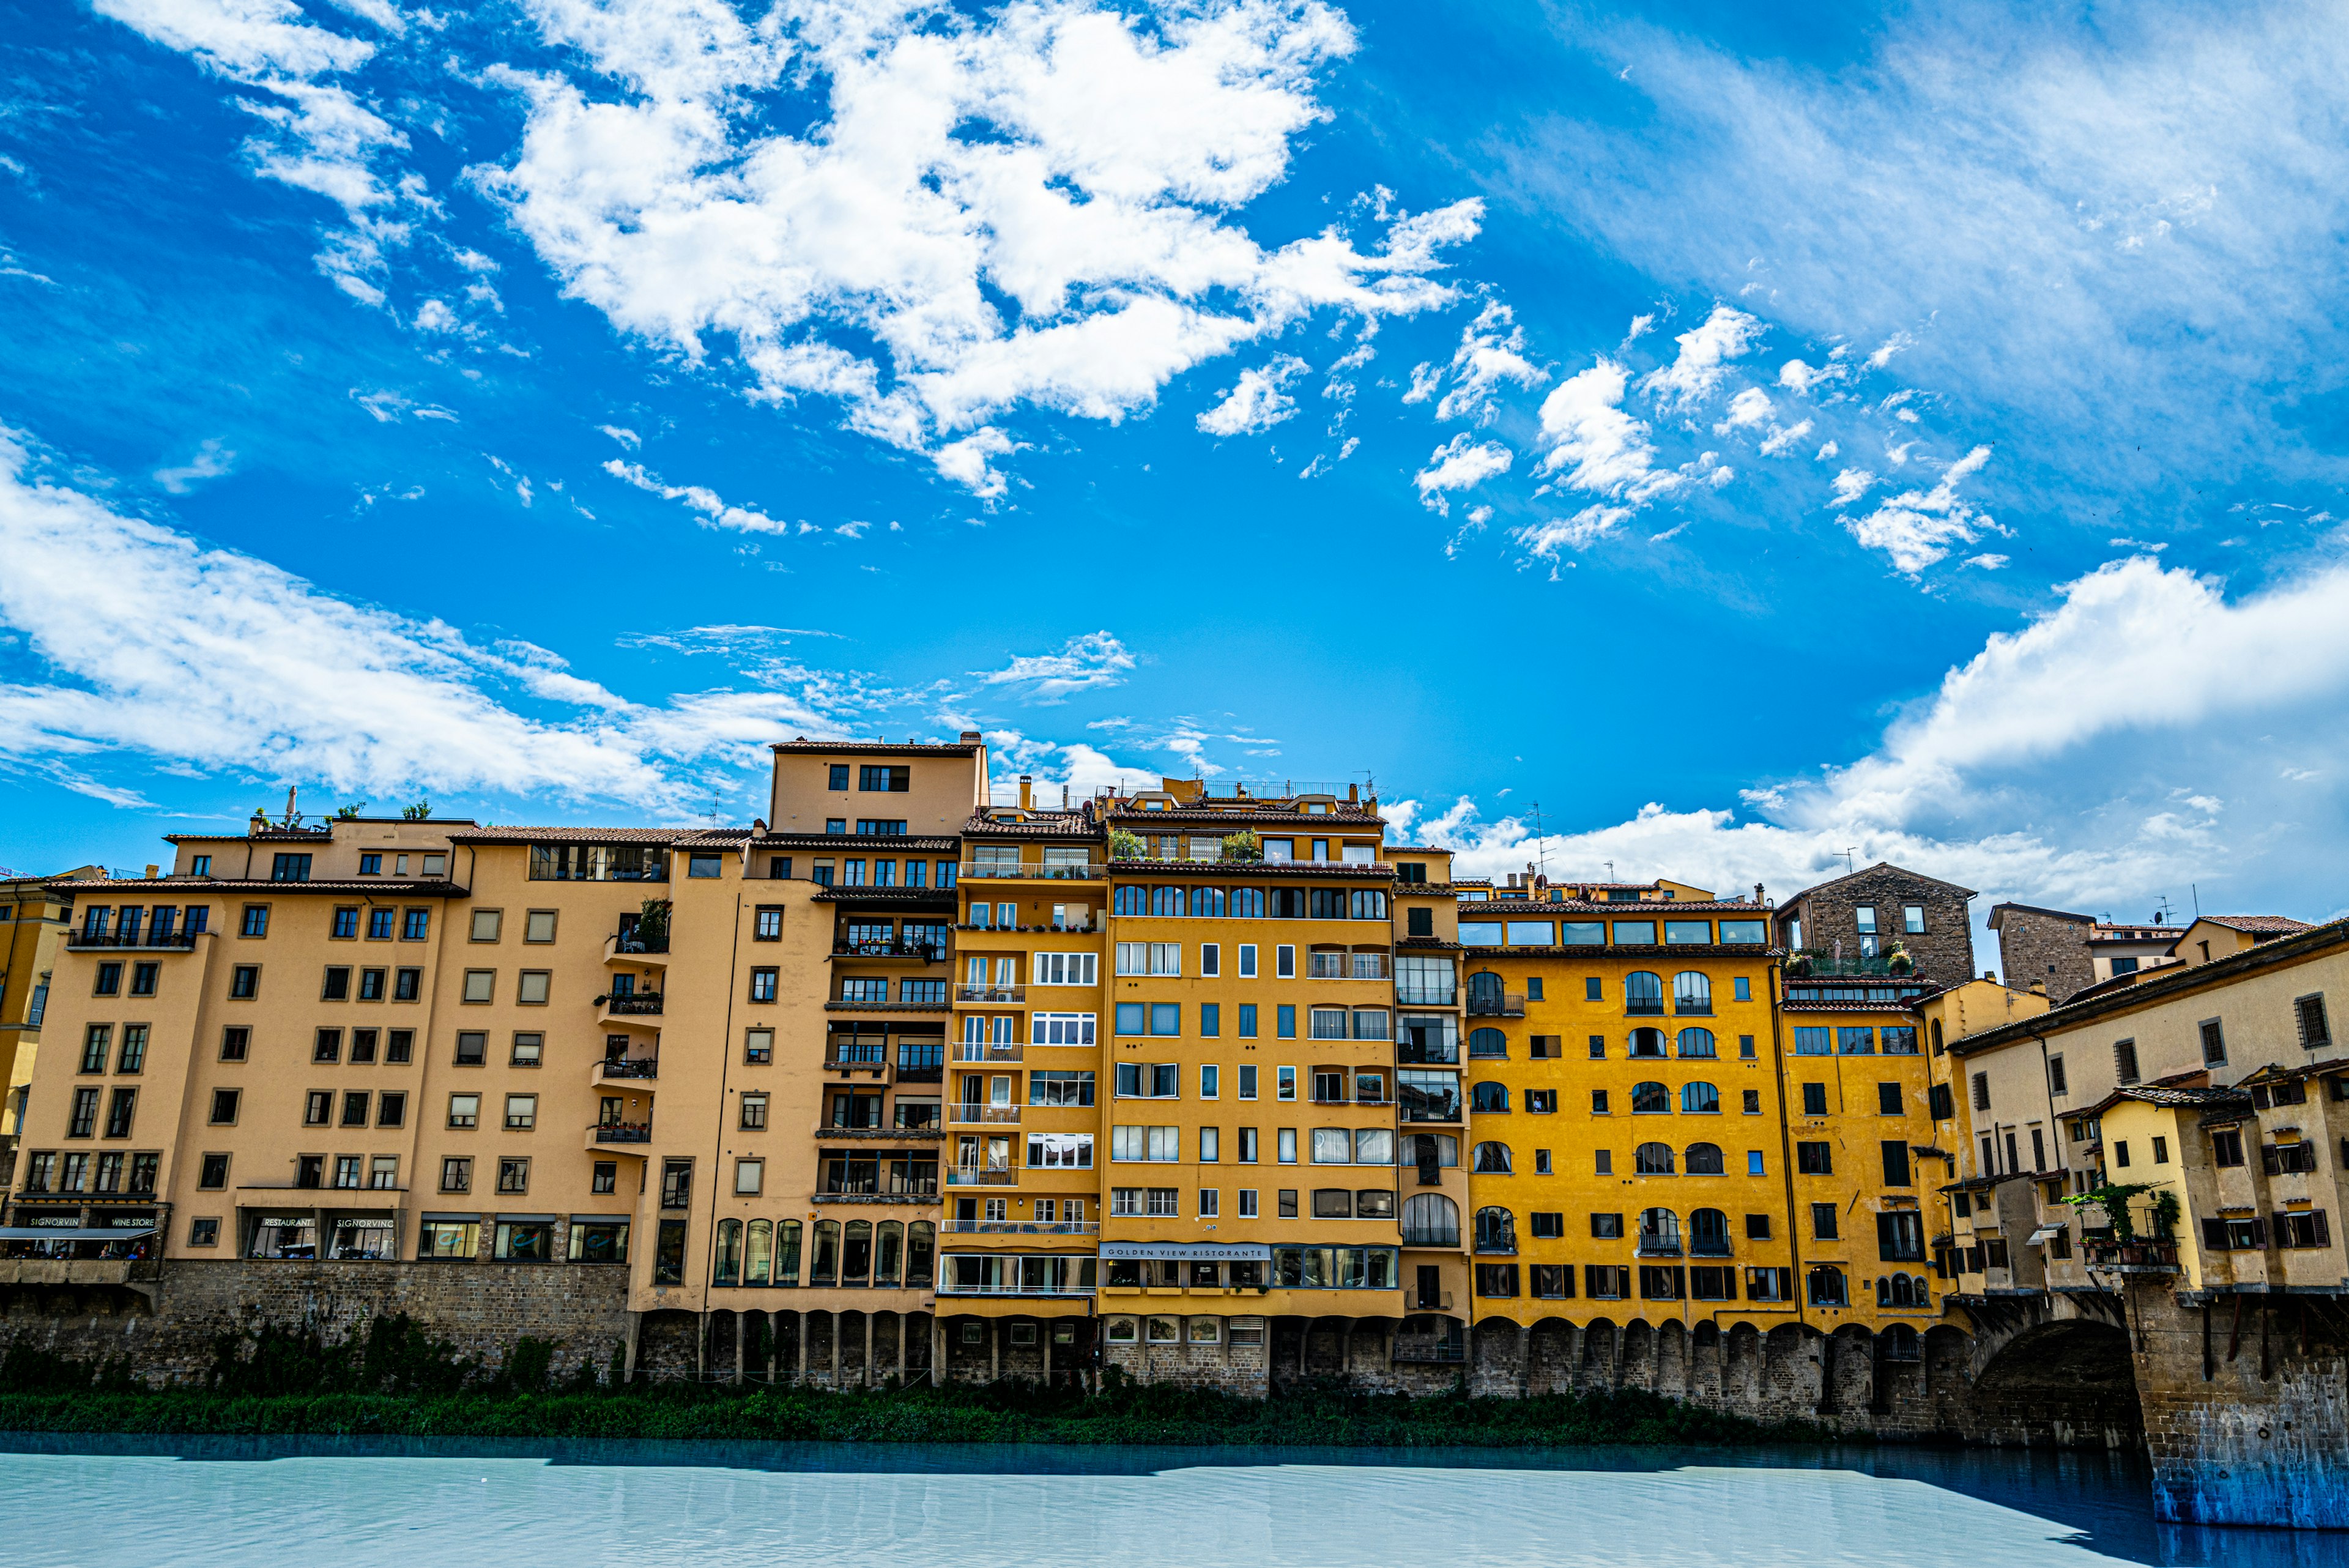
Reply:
x=1188, y=1251
x=2041, y=1235
x=71, y=1234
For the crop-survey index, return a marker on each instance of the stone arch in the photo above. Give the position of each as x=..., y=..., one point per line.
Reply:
x=2070, y=1382
x=1552, y=1359
x=1602, y=1354
x=1672, y=1369
x=1637, y=1369
x=1740, y=1375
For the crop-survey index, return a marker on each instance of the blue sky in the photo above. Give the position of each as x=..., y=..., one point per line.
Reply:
x=1750, y=434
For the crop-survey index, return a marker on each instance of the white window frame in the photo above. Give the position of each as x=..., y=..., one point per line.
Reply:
x=1065, y=969
x=1211, y=960
x=1247, y=961
x=1284, y=965
x=1061, y=1028
x=1247, y=1203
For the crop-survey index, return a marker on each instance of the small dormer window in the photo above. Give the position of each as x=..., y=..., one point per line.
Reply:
x=1317, y=808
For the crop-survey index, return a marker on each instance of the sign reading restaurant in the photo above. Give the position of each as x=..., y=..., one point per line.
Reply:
x=1188, y=1252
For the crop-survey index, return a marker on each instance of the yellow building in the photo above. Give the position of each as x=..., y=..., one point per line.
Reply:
x=35, y=914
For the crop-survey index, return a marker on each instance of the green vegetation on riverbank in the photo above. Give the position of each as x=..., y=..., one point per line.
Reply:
x=393, y=1381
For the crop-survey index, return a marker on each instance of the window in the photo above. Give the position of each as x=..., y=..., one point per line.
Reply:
x=531, y=987
x=2308, y=1012
x=1823, y=1222
x=1981, y=1091
x=1888, y=1099
x=224, y=1107
x=1284, y=963
x=521, y=1112
x=882, y=779
x=415, y=925
x=1699, y=1099
x=408, y=985
x=480, y=985
x=236, y=1040
x=1912, y=919
x=529, y=1050
x=704, y=866
x=1650, y=1099
x=2124, y=1066
x=464, y=1110
x=1652, y=1160
x=118, y=1112
x=514, y=1174
x=1599, y=1102
x=1896, y=1163
x=763, y=981
x=473, y=1048
x=1814, y=1159
x=245, y=981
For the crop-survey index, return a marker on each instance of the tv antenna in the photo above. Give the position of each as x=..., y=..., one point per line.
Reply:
x=2161, y=910
x=1541, y=841
x=1848, y=868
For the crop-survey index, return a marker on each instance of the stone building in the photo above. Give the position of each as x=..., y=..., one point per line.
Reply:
x=1852, y=924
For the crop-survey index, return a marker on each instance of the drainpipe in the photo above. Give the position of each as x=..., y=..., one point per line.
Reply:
x=1786, y=1144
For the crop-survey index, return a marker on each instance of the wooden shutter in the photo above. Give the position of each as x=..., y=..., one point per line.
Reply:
x=2214, y=1235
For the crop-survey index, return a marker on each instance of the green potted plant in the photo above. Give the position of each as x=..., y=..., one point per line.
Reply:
x=1798, y=965
x=652, y=926
x=1123, y=846
x=1243, y=846
x=1898, y=962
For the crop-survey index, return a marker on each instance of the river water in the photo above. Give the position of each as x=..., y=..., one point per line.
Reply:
x=359, y=1503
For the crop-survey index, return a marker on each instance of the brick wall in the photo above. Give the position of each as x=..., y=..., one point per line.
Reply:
x=1944, y=950
x=2034, y=947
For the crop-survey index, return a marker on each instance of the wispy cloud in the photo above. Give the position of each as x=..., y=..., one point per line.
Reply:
x=714, y=510
x=1460, y=463
x=1093, y=662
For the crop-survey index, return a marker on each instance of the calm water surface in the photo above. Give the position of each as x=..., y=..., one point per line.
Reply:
x=357, y=1503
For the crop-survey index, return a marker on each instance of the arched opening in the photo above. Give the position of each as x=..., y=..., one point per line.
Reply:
x=2070, y=1383
x=1430, y=1220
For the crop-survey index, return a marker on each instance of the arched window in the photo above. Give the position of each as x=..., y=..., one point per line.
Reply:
x=1492, y=1159
x=726, y=1267
x=757, y=1252
x=1497, y=1230
x=1697, y=1043
x=1704, y=1160
x=921, y=1252
x=1708, y=1229
x=1484, y=993
x=1937, y=1037
x=1899, y=1344
x=824, y=1269
x=856, y=1253
x=1488, y=1043
x=1691, y=992
x=1643, y=993
x=1824, y=1286
x=1430, y=1219
x=1659, y=1233
x=1647, y=1043
x=1650, y=1099
x=1488, y=1096
x=787, y=1251
x=1699, y=1099
x=1652, y=1160
x=888, y=1253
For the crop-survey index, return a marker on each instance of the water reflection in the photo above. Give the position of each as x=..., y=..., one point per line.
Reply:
x=504, y=1504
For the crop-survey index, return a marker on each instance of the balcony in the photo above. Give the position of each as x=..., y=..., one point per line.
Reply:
x=1020, y=1227
x=628, y=947
x=1495, y=1004
x=636, y=1072
x=1708, y=1247
x=1030, y=871
x=1366, y=1101
x=965, y=1115
x=611, y=1135
x=1657, y=1247
x=1346, y=965
x=175, y=942
x=925, y=1132
x=2131, y=1257
x=1446, y=1236
x=972, y=1051
x=1419, y=1106
x=629, y=1005
x=919, y=952
x=991, y=995
x=982, y=1175
x=854, y=1055
x=911, y=1198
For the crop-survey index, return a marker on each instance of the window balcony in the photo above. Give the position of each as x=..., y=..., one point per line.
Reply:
x=982, y=1175
x=631, y=945
x=971, y=1115
x=634, y=1004
x=1020, y=1227
x=606, y=1134
x=1497, y=1005
x=1657, y=1247
x=1708, y=1247
x=142, y=941
x=921, y=953
x=636, y=1072
x=1031, y=871
x=991, y=995
x=987, y=1051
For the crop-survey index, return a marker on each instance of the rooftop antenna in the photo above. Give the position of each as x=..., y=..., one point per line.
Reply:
x=2161, y=910
x=1610, y=869
x=2197, y=893
x=1541, y=840
x=1848, y=868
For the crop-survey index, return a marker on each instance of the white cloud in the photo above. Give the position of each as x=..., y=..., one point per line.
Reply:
x=1987, y=562
x=1851, y=484
x=319, y=138
x=1093, y=662
x=1917, y=527
x=1889, y=347
x=1706, y=350
x=1491, y=353
x=211, y=460
x=1826, y=451
x=1019, y=209
x=1548, y=537
x=1257, y=402
x=1750, y=407
x=2005, y=781
x=1459, y=464
x=1601, y=449
x=160, y=648
x=968, y=461
x=1780, y=441
x=715, y=512
x=626, y=438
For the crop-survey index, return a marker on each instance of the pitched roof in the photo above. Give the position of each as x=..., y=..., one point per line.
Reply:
x=1034, y=822
x=502, y=835
x=2259, y=924
x=2177, y=1098
x=1868, y=871
x=1998, y=910
x=879, y=748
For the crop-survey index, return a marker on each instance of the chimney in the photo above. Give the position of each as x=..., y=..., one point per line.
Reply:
x=1353, y=793
x=1757, y=894
x=1027, y=791
x=1064, y=797
x=151, y=871
x=970, y=737
x=2038, y=988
